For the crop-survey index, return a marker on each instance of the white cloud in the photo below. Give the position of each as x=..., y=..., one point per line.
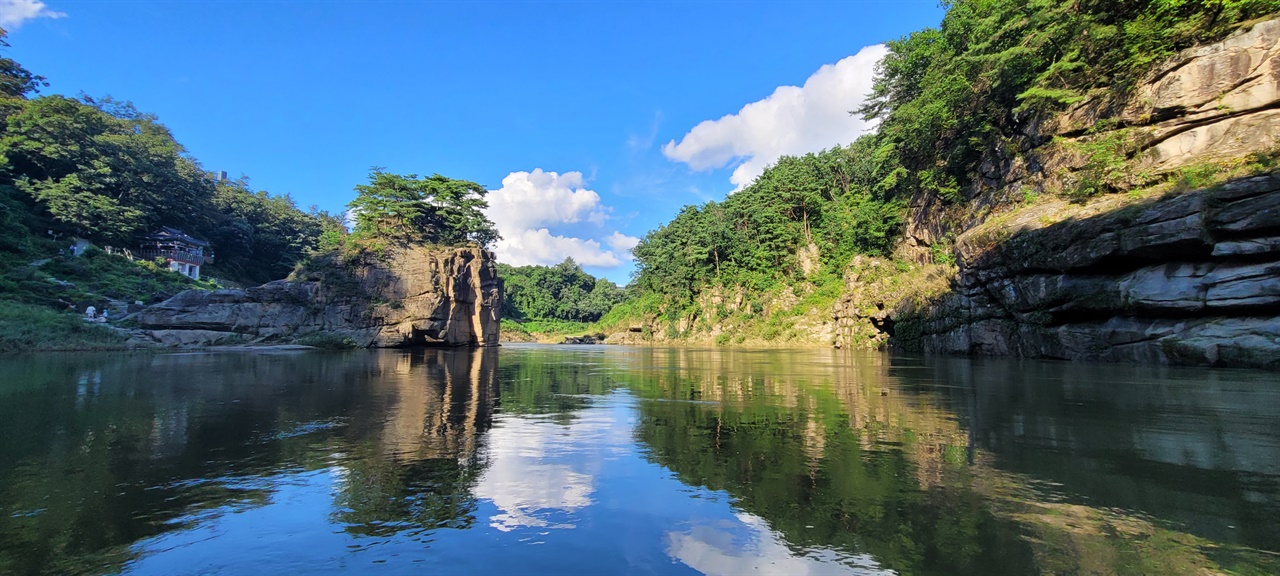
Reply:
x=530, y=204
x=622, y=243
x=13, y=13
x=525, y=247
x=752, y=547
x=528, y=199
x=791, y=121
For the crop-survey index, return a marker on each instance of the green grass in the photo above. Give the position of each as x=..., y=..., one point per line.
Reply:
x=36, y=302
x=546, y=328
x=25, y=327
x=92, y=278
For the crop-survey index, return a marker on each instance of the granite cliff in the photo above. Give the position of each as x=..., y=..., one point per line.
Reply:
x=410, y=296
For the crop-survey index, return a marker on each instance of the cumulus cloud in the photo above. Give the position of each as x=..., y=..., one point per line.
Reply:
x=752, y=547
x=622, y=243
x=793, y=120
x=530, y=204
x=540, y=246
x=13, y=13
x=527, y=199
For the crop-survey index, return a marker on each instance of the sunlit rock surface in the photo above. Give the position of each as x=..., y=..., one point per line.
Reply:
x=418, y=295
x=1193, y=279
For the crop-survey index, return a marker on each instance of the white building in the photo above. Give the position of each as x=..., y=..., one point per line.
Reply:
x=183, y=253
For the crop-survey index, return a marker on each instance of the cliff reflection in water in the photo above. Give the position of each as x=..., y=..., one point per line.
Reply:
x=535, y=459
x=970, y=466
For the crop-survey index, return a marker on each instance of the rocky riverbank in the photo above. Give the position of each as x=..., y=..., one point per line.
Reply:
x=412, y=296
x=1187, y=279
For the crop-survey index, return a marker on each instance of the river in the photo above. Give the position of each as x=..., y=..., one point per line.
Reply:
x=590, y=460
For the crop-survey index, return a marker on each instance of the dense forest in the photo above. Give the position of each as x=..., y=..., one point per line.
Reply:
x=100, y=169
x=946, y=100
x=554, y=298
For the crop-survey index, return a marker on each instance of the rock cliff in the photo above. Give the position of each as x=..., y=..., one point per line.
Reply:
x=1209, y=105
x=412, y=296
x=1178, y=277
x=1190, y=278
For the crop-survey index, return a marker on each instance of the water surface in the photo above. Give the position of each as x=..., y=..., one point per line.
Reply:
x=553, y=460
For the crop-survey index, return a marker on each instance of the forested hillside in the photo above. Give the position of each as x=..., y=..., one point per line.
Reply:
x=969, y=122
x=101, y=170
x=553, y=299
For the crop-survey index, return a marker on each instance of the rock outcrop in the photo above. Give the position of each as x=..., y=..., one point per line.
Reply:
x=415, y=296
x=1187, y=279
x=1212, y=104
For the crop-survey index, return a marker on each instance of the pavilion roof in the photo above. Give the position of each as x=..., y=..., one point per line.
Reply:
x=167, y=233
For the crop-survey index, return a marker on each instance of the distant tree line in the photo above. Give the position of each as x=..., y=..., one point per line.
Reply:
x=560, y=292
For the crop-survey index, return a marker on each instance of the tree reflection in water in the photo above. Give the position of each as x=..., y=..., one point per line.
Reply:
x=721, y=461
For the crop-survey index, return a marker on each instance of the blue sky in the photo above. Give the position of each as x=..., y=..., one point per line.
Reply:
x=591, y=122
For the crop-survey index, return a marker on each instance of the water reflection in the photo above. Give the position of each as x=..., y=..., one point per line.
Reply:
x=564, y=460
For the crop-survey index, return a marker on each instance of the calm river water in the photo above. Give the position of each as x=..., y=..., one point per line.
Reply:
x=595, y=460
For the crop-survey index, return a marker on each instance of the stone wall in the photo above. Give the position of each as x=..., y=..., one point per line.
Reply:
x=1186, y=279
x=418, y=295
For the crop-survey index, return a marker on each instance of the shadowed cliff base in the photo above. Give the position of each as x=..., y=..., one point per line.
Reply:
x=1181, y=279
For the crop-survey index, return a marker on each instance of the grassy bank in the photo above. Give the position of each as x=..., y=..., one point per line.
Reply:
x=25, y=327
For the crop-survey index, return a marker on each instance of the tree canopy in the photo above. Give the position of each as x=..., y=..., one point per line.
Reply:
x=560, y=292
x=434, y=210
x=100, y=169
x=949, y=97
x=756, y=235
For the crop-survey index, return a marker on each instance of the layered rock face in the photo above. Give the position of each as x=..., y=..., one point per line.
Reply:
x=1189, y=279
x=1211, y=104
x=415, y=296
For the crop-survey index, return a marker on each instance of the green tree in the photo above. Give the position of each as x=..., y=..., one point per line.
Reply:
x=100, y=168
x=560, y=292
x=16, y=81
x=435, y=209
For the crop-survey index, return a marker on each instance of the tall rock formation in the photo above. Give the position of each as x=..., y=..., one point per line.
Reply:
x=412, y=296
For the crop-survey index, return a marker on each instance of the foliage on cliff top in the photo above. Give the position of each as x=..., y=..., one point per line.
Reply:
x=428, y=210
x=951, y=96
